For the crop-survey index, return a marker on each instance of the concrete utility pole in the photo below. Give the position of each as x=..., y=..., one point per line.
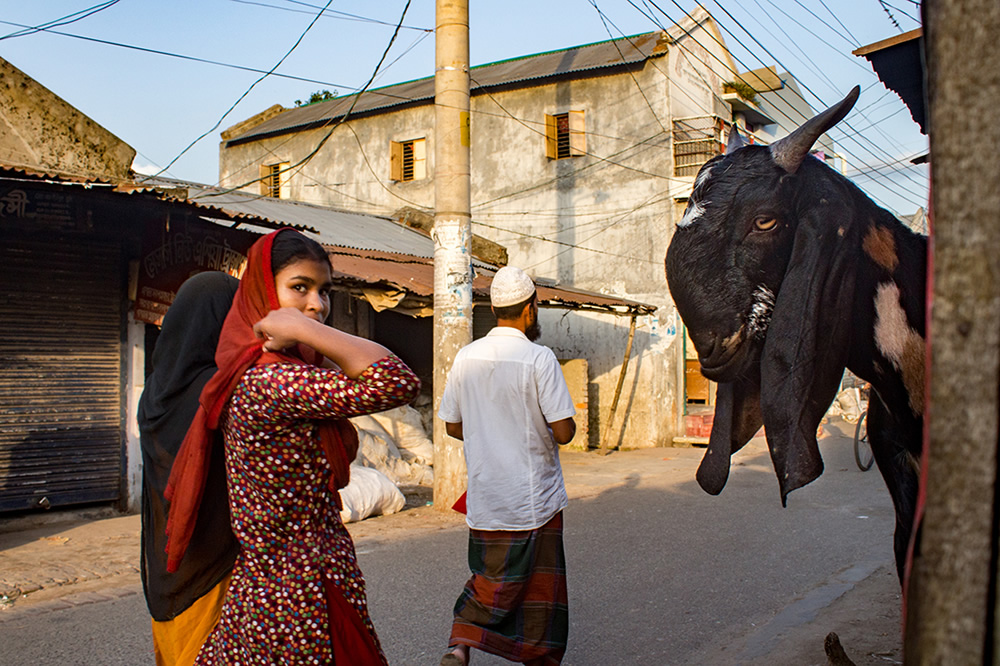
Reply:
x=452, y=230
x=953, y=606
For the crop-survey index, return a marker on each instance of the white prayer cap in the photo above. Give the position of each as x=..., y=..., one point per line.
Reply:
x=510, y=286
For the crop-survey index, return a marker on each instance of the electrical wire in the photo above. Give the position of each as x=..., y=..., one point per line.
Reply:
x=902, y=11
x=247, y=92
x=298, y=165
x=331, y=13
x=508, y=195
x=614, y=41
x=854, y=62
x=849, y=38
x=854, y=137
x=727, y=67
x=65, y=20
x=856, y=157
x=180, y=56
x=839, y=22
x=861, y=111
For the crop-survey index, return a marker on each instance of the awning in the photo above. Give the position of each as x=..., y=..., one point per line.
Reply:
x=899, y=64
x=406, y=284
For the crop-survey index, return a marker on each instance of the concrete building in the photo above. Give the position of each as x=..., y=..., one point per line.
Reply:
x=582, y=160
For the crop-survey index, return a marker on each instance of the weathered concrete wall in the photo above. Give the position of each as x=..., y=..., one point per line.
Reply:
x=646, y=414
x=39, y=130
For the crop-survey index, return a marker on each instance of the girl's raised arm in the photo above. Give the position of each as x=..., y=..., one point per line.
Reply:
x=283, y=328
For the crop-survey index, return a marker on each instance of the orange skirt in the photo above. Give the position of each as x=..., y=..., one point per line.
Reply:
x=178, y=641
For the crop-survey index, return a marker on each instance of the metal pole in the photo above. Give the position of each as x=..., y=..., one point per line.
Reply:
x=452, y=235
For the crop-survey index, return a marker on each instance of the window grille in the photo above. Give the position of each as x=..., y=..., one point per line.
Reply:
x=696, y=141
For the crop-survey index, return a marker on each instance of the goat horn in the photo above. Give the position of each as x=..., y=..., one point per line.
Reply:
x=735, y=140
x=789, y=152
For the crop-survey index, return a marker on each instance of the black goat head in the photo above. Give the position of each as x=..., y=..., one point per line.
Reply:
x=761, y=274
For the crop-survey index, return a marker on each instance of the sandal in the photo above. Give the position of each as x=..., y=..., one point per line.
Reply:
x=451, y=658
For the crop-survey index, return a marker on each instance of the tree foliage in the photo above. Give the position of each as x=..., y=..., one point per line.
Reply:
x=318, y=96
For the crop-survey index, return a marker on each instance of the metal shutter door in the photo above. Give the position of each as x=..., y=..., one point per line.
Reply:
x=60, y=373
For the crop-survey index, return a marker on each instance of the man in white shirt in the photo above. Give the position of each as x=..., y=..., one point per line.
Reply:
x=507, y=400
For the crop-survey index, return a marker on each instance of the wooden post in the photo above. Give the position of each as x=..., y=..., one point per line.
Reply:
x=604, y=450
x=952, y=601
x=452, y=235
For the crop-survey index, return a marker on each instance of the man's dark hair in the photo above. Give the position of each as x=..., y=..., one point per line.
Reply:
x=290, y=246
x=514, y=311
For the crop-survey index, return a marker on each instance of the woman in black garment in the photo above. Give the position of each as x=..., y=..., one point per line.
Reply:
x=184, y=605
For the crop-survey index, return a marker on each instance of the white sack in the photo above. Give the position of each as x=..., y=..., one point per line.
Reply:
x=846, y=406
x=378, y=450
x=405, y=427
x=370, y=493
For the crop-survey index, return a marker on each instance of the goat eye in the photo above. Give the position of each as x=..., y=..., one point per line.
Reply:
x=765, y=223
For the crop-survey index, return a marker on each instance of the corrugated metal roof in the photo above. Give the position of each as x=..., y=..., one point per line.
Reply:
x=527, y=70
x=327, y=225
x=175, y=192
x=416, y=276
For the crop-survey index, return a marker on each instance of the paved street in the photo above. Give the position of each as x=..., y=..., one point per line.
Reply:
x=660, y=572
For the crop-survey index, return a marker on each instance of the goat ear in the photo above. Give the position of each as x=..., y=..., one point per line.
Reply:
x=789, y=152
x=735, y=141
x=737, y=419
x=806, y=346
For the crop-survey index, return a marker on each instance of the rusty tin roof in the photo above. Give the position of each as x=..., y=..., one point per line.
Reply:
x=415, y=275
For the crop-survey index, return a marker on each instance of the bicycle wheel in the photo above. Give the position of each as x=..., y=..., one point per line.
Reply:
x=863, y=455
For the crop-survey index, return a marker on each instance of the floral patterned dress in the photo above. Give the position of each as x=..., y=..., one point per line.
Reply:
x=291, y=538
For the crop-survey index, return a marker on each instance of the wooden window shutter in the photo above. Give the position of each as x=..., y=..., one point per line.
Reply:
x=577, y=134
x=551, y=137
x=419, y=159
x=282, y=181
x=265, y=180
x=395, y=160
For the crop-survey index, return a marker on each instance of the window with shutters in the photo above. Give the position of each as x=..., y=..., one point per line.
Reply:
x=274, y=180
x=408, y=160
x=565, y=135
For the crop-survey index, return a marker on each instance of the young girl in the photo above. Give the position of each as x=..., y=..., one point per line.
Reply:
x=285, y=384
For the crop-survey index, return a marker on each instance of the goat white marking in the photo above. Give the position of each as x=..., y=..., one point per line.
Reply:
x=691, y=215
x=899, y=343
x=733, y=340
x=702, y=177
x=760, y=312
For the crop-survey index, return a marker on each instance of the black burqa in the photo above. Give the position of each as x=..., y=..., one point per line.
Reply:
x=183, y=361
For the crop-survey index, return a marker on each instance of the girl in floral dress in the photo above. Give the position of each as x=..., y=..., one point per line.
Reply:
x=286, y=382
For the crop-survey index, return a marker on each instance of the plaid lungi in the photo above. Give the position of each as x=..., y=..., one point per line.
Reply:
x=515, y=605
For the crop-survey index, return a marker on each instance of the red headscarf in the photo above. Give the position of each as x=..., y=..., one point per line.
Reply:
x=239, y=349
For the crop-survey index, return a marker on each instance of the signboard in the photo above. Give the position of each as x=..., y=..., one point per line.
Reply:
x=171, y=256
x=50, y=208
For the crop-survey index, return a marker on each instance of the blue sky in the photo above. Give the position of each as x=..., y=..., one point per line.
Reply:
x=159, y=104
